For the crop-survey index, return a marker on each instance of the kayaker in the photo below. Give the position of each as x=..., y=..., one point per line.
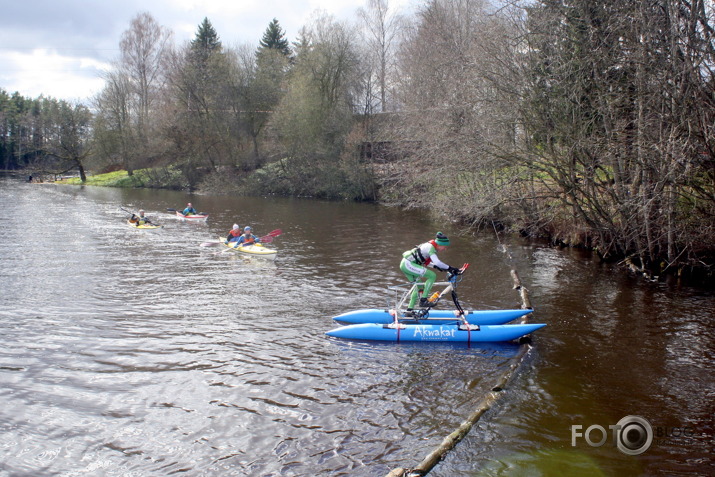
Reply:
x=189, y=210
x=414, y=265
x=247, y=238
x=140, y=219
x=234, y=234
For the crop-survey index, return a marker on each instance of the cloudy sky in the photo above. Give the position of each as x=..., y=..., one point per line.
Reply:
x=58, y=48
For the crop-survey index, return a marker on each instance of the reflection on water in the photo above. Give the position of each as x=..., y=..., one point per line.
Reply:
x=139, y=352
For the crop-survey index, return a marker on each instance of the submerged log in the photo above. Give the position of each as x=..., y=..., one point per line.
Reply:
x=486, y=403
x=523, y=292
x=398, y=472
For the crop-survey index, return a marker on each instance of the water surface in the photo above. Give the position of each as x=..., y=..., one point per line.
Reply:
x=128, y=352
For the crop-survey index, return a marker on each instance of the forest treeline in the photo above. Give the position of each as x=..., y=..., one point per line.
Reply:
x=591, y=123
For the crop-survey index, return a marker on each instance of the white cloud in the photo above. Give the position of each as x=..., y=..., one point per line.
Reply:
x=44, y=72
x=59, y=49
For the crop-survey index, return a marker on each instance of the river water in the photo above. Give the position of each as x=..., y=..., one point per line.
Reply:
x=128, y=352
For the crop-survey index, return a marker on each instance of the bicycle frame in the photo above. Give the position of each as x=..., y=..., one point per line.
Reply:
x=400, y=302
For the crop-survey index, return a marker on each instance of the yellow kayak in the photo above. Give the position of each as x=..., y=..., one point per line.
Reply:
x=143, y=226
x=254, y=250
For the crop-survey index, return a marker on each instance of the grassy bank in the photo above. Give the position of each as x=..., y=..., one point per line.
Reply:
x=110, y=179
x=151, y=178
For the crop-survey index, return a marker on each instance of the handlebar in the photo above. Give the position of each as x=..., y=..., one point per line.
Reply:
x=452, y=277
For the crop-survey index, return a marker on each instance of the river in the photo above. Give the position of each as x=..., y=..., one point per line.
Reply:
x=130, y=352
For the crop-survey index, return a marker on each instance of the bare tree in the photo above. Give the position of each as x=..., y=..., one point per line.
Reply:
x=453, y=63
x=143, y=49
x=115, y=136
x=381, y=27
x=617, y=114
x=316, y=113
x=256, y=80
x=127, y=119
x=203, y=129
x=67, y=139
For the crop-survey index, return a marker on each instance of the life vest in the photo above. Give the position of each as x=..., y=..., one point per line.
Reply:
x=138, y=220
x=235, y=233
x=415, y=255
x=249, y=240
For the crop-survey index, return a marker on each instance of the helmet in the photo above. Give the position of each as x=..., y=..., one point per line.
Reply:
x=247, y=228
x=141, y=211
x=189, y=204
x=236, y=226
x=441, y=239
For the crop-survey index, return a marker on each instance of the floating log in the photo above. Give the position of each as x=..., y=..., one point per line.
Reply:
x=523, y=292
x=399, y=472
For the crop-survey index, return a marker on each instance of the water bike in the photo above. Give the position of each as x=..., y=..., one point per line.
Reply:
x=427, y=324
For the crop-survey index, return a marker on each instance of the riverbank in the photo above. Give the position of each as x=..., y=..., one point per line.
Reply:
x=701, y=275
x=165, y=178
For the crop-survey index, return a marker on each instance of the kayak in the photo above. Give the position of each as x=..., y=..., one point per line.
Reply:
x=192, y=217
x=254, y=250
x=143, y=226
x=474, y=317
x=433, y=333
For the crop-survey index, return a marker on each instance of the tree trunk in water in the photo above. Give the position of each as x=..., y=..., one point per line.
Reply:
x=82, y=175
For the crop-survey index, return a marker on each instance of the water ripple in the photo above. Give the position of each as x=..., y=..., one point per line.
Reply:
x=140, y=353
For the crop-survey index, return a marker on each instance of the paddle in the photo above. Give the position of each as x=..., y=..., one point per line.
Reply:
x=263, y=240
x=222, y=251
x=131, y=214
x=137, y=223
x=268, y=238
x=182, y=212
x=227, y=249
x=214, y=243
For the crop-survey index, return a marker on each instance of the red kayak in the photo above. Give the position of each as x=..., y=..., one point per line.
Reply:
x=191, y=217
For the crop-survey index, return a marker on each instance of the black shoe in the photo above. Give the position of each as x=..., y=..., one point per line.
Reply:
x=425, y=303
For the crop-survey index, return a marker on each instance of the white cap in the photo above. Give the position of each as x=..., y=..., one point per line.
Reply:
x=236, y=227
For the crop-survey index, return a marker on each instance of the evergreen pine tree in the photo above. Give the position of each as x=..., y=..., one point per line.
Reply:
x=274, y=39
x=206, y=41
